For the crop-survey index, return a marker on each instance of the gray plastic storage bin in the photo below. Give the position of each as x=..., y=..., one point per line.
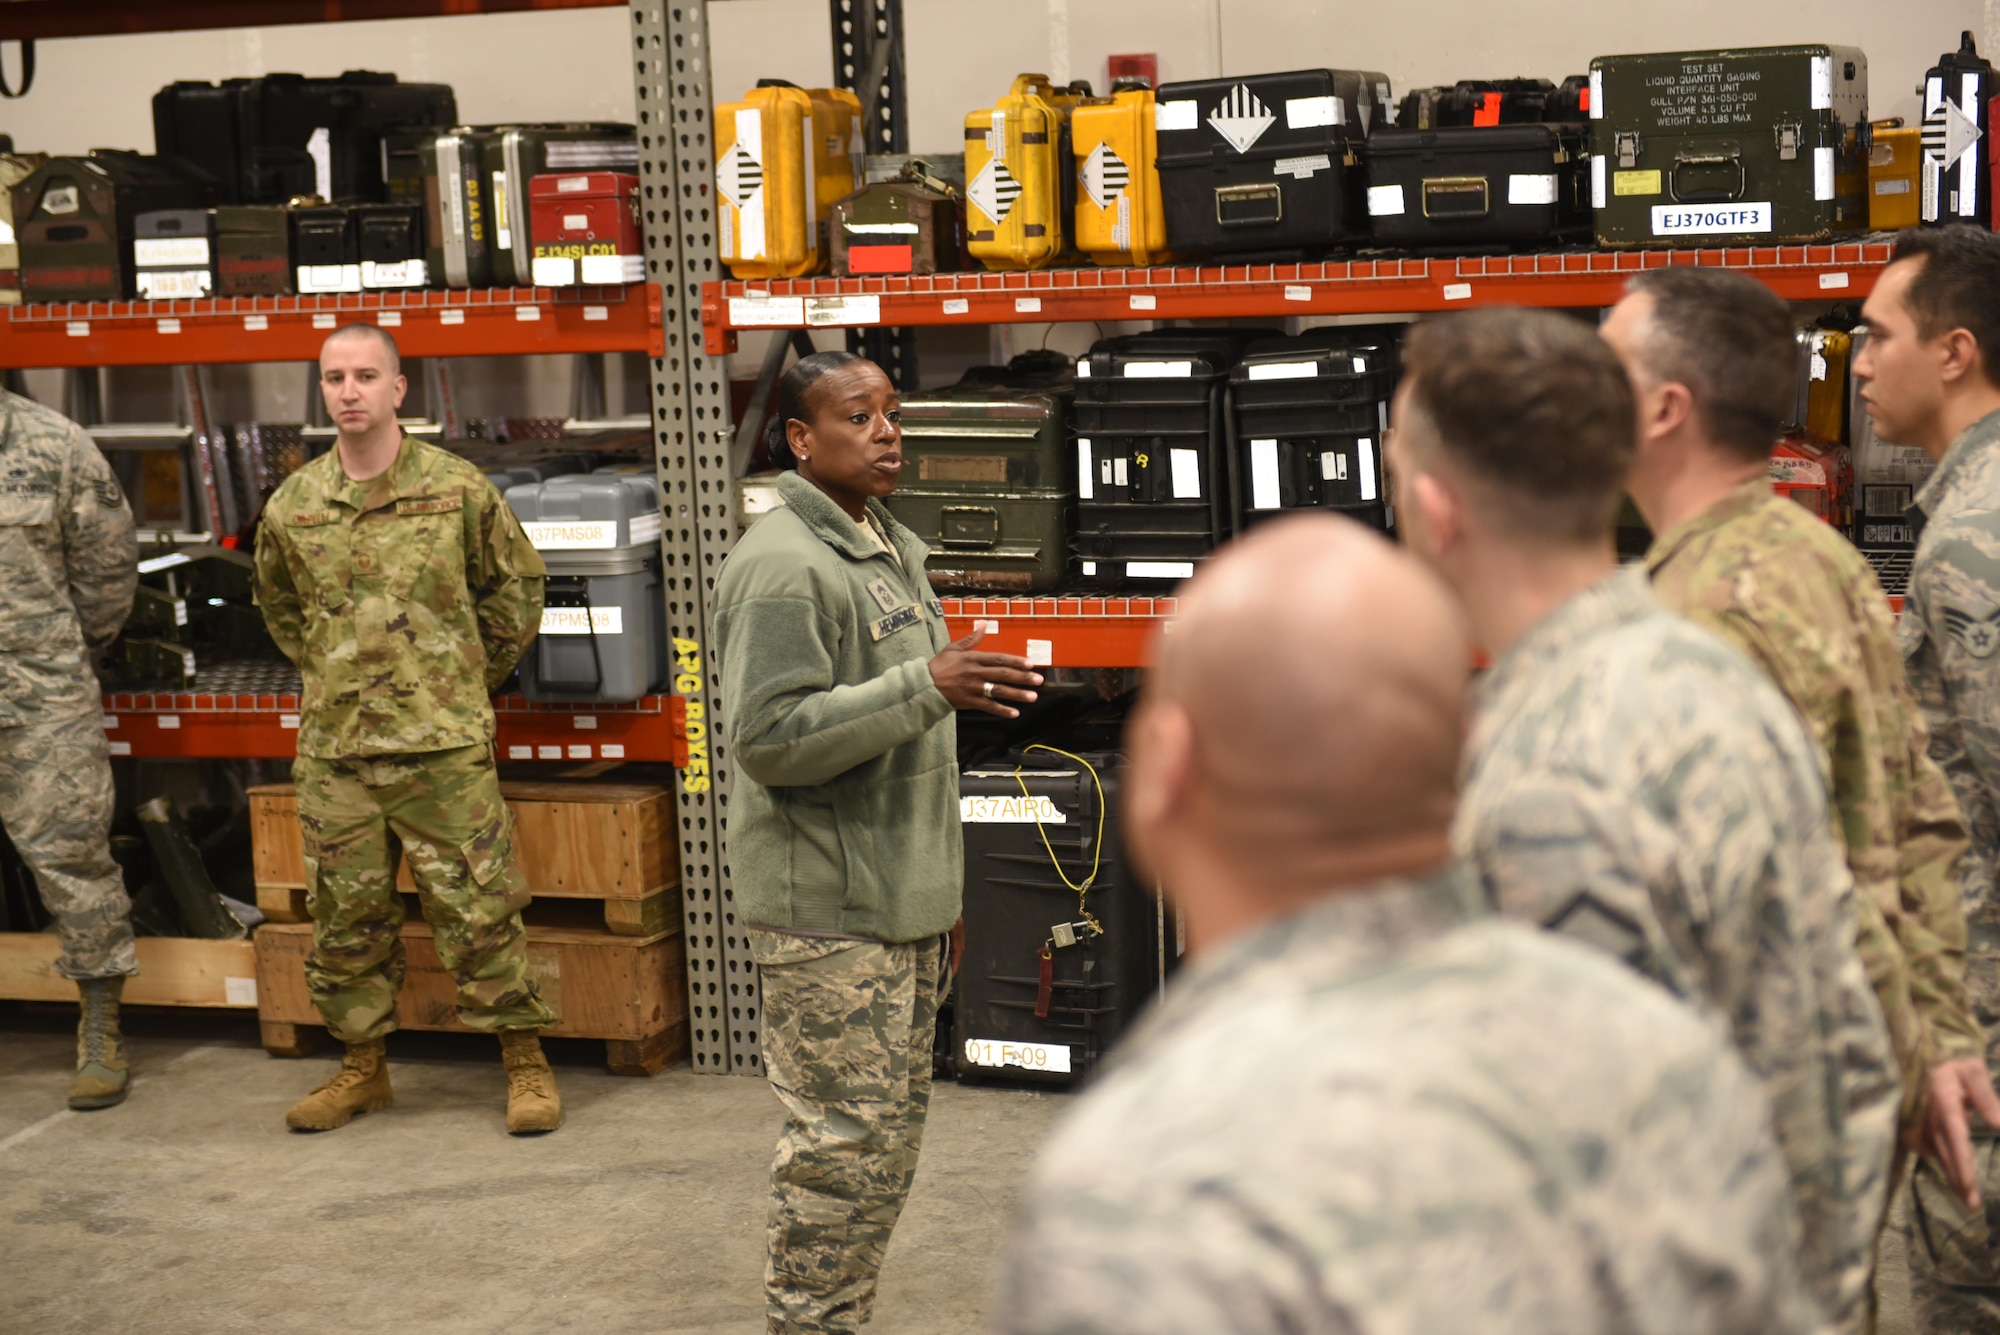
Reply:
x=604, y=634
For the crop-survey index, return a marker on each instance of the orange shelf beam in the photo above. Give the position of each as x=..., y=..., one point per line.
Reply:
x=193, y=726
x=104, y=18
x=1071, y=632
x=471, y=322
x=1331, y=287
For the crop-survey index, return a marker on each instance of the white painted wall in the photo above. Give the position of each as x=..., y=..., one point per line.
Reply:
x=574, y=64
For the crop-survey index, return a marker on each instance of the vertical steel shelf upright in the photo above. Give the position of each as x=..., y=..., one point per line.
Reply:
x=868, y=58
x=690, y=398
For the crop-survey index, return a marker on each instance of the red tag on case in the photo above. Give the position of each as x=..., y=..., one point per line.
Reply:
x=1488, y=111
x=1045, y=984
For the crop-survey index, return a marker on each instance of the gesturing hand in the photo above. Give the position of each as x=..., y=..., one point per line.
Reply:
x=972, y=680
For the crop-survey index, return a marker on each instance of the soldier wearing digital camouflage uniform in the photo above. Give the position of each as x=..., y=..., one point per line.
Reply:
x=1711, y=356
x=1930, y=372
x=1370, y=1104
x=1632, y=781
x=68, y=569
x=844, y=829
x=397, y=579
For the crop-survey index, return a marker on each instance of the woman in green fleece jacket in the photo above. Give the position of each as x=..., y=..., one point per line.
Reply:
x=840, y=682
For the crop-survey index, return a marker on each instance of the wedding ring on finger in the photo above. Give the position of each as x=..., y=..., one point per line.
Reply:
x=989, y=690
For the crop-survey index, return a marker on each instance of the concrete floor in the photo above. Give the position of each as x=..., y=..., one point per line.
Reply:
x=192, y=1209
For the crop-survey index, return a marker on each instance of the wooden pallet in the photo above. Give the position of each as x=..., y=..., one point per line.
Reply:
x=612, y=842
x=631, y=992
x=173, y=971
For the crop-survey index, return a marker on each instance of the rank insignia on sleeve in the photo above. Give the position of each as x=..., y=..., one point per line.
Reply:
x=108, y=494
x=1977, y=635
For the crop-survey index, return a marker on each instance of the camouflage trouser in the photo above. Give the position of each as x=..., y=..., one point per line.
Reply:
x=55, y=803
x=1954, y=1270
x=443, y=811
x=848, y=1031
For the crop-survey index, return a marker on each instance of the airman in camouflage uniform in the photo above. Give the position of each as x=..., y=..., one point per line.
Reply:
x=1931, y=379
x=405, y=599
x=68, y=569
x=1711, y=355
x=1369, y=1104
x=1633, y=782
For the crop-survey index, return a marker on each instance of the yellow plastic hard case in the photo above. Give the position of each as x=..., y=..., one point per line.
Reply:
x=1895, y=165
x=783, y=155
x=1119, y=215
x=1018, y=186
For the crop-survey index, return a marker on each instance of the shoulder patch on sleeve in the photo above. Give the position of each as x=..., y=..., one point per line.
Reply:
x=1978, y=633
x=109, y=495
x=431, y=505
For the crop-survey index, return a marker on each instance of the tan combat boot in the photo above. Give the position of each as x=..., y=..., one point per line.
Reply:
x=532, y=1102
x=101, y=1069
x=361, y=1085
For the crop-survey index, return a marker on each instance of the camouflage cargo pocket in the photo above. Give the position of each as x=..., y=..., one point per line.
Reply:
x=1958, y=1240
x=489, y=860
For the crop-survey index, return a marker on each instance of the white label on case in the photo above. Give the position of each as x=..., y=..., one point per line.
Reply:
x=1286, y=371
x=1159, y=370
x=1264, y=475
x=1028, y=1056
x=1597, y=185
x=1385, y=201
x=65, y=199
x=1333, y=466
x=1086, y=485
x=1159, y=570
x=1177, y=115
x=573, y=535
x=1083, y=368
x=159, y=250
x=1364, y=452
x=645, y=528
x=173, y=284
x=1187, y=474
x=1823, y=173
x=1302, y=113
x=583, y=621
x=1539, y=189
x=572, y=222
x=1710, y=219
x=1898, y=186
x=1120, y=471
x=1300, y=169
x=319, y=147
x=1597, y=95
x=1822, y=85
x=239, y=991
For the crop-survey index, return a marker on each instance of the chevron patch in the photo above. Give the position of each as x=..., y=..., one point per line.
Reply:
x=738, y=176
x=1104, y=176
x=994, y=191
x=1977, y=635
x=1241, y=119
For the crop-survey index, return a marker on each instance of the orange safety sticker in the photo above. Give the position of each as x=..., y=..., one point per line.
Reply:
x=1488, y=111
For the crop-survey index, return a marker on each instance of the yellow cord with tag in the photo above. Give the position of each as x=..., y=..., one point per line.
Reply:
x=1097, y=848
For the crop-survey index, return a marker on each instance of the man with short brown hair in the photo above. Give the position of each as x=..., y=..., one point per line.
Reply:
x=1711, y=357
x=1631, y=781
x=1930, y=374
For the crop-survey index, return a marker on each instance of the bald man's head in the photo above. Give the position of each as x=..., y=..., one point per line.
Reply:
x=1307, y=708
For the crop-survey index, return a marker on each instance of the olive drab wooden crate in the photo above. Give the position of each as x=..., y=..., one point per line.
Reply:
x=783, y=155
x=1707, y=148
x=1019, y=187
x=1120, y=218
